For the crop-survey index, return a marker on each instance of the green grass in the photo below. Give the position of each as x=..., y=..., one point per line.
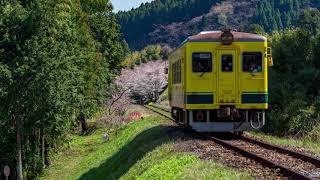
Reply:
x=141, y=150
x=299, y=143
x=167, y=164
x=164, y=96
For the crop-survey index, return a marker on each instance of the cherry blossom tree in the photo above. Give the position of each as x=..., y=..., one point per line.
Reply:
x=119, y=99
x=144, y=82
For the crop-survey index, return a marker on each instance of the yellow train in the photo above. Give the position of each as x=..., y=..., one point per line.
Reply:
x=218, y=81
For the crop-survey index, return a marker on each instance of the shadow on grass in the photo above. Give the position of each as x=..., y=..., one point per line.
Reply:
x=128, y=155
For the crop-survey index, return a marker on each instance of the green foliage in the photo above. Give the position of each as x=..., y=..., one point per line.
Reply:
x=310, y=21
x=151, y=52
x=137, y=23
x=292, y=50
x=57, y=58
x=160, y=20
x=294, y=91
x=5, y=79
x=257, y=29
x=276, y=15
x=164, y=96
x=304, y=121
x=95, y=6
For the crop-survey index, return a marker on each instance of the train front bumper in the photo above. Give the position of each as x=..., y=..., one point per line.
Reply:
x=225, y=126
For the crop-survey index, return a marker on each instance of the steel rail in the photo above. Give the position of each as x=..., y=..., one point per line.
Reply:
x=168, y=117
x=282, y=150
x=166, y=110
x=286, y=171
x=292, y=174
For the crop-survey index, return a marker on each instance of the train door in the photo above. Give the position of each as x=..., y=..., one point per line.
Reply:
x=227, y=77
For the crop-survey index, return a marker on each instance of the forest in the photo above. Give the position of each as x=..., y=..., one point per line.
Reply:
x=137, y=23
x=56, y=61
x=160, y=20
x=277, y=15
x=294, y=80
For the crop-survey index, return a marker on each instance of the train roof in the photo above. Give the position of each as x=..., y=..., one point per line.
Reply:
x=215, y=36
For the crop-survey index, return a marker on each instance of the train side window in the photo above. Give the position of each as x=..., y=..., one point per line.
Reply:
x=252, y=62
x=180, y=71
x=202, y=62
x=176, y=72
x=227, y=63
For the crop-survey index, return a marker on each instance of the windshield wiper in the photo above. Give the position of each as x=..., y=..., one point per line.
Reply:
x=204, y=70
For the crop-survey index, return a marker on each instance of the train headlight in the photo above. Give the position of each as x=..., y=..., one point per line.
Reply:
x=227, y=37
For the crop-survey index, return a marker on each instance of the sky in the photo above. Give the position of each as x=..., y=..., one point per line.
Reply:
x=126, y=4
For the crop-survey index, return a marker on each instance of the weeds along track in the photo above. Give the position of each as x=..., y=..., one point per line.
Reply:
x=289, y=163
x=161, y=111
x=161, y=108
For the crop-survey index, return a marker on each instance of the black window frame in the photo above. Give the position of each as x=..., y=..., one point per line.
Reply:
x=243, y=61
x=176, y=72
x=233, y=68
x=210, y=63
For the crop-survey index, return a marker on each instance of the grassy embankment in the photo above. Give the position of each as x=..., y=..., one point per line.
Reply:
x=142, y=149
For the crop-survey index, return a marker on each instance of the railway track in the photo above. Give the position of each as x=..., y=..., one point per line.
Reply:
x=162, y=109
x=156, y=109
x=291, y=164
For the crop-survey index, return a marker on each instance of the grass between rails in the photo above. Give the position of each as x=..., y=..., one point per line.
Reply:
x=299, y=143
x=142, y=149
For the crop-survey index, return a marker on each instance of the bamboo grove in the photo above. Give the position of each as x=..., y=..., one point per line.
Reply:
x=56, y=59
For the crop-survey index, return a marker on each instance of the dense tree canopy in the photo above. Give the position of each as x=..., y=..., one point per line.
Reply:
x=57, y=58
x=276, y=15
x=137, y=23
x=171, y=21
x=294, y=80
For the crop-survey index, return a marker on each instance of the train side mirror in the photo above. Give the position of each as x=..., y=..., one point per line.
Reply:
x=270, y=60
x=269, y=56
x=269, y=52
x=166, y=71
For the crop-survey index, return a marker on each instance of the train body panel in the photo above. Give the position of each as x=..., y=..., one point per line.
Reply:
x=222, y=84
x=177, y=78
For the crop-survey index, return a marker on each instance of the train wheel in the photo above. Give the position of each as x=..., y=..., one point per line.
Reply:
x=179, y=115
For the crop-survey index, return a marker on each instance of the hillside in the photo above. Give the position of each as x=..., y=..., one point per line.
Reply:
x=171, y=21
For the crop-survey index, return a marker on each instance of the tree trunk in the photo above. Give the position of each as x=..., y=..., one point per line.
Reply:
x=46, y=152
x=84, y=124
x=43, y=151
x=19, y=148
